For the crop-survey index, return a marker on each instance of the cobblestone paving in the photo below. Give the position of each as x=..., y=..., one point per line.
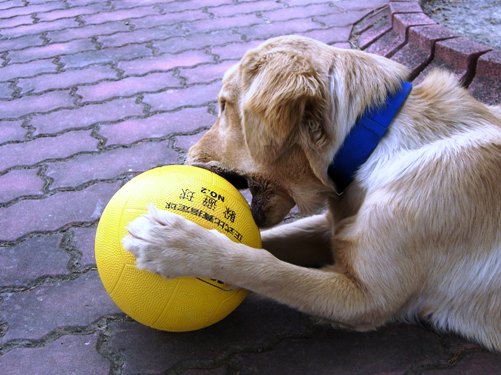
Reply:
x=403, y=32
x=94, y=92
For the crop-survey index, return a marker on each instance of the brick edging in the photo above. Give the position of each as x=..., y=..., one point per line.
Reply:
x=403, y=32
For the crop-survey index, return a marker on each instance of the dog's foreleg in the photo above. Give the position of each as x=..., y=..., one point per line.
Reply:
x=363, y=295
x=339, y=297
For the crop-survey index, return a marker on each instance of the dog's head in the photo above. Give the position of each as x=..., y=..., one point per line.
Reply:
x=271, y=101
x=275, y=132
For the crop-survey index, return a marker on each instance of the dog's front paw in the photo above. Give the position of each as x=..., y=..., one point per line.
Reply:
x=172, y=246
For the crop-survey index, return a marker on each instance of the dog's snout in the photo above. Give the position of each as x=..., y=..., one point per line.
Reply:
x=258, y=216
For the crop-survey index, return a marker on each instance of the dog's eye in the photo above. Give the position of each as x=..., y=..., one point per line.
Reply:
x=222, y=106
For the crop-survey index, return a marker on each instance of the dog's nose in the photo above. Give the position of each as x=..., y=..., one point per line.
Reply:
x=258, y=216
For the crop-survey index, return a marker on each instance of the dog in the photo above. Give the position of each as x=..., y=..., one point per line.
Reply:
x=412, y=234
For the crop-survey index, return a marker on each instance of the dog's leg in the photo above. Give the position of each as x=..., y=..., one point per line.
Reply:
x=364, y=295
x=305, y=242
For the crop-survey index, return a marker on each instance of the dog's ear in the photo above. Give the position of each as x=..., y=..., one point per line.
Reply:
x=280, y=88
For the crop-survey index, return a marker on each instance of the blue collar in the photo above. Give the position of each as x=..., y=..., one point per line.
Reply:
x=364, y=137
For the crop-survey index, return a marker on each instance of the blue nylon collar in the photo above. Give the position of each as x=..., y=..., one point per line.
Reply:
x=364, y=137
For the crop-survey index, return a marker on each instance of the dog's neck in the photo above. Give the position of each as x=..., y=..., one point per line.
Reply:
x=364, y=137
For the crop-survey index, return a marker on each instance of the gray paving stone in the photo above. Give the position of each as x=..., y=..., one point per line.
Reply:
x=20, y=182
x=472, y=363
x=165, y=62
x=41, y=149
x=28, y=69
x=31, y=259
x=180, y=44
x=45, y=82
x=64, y=356
x=110, y=55
x=55, y=212
x=129, y=86
x=255, y=324
x=37, y=312
x=59, y=121
x=119, y=162
x=263, y=337
x=5, y=91
x=50, y=51
x=335, y=36
x=390, y=350
x=157, y=126
x=37, y=28
x=83, y=241
x=11, y=131
x=172, y=99
x=26, y=105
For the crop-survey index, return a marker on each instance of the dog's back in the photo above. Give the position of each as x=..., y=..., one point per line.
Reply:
x=444, y=179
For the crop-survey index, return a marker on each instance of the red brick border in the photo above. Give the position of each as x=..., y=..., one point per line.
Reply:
x=401, y=31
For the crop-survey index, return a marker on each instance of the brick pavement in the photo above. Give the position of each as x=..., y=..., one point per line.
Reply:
x=404, y=33
x=94, y=92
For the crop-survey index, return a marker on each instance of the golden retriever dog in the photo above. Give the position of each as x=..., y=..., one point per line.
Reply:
x=414, y=235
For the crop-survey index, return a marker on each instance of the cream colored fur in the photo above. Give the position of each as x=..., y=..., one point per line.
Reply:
x=417, y=235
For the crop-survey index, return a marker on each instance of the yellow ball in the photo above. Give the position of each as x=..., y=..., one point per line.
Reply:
x=185, y=303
